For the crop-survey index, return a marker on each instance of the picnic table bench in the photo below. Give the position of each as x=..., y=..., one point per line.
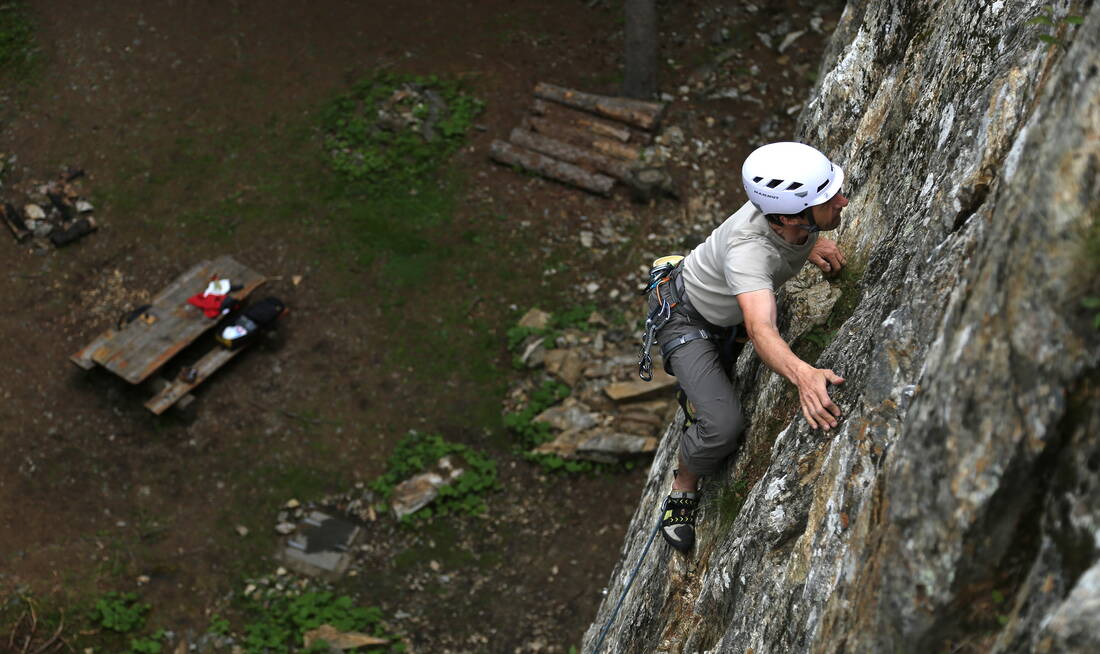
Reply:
x=139, y=349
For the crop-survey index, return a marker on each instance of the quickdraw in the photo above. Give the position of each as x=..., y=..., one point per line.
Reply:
x=659, y=277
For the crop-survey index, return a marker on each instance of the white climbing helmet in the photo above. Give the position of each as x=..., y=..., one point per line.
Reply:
x=786, y=177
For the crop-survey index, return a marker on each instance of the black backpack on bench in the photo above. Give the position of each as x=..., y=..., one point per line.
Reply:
x=251, y=322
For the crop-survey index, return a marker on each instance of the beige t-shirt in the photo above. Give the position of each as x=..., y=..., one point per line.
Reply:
x=742, y=254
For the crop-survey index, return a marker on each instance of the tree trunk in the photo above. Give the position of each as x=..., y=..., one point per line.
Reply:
x=640, y=74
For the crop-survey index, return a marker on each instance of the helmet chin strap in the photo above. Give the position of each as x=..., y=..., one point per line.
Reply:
x=808, y=212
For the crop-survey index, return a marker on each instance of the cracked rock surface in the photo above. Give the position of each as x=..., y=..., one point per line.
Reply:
x=955, y=507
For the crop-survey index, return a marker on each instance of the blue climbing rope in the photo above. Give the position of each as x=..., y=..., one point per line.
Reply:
x=629, y=583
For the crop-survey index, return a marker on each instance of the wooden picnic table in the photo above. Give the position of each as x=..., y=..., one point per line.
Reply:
x=140, y=348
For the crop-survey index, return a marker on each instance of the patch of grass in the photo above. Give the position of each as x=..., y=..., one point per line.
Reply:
x=278, y=625
x=418, y=452
x=396, y=130
x=18, y=51
x=731, y=497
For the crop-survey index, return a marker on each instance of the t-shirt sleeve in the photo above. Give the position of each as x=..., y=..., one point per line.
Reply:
x=750, y=266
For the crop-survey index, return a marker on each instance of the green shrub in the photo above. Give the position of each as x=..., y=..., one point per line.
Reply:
x=417, y=452
x=121, y=612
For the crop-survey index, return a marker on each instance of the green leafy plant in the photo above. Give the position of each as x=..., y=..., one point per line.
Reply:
x=121, y=612
x=522, y=423
x=393, y=129
x=218, y=625
x=278, y=625
x=1046, y=17
x=148, y=644
x=417, y=452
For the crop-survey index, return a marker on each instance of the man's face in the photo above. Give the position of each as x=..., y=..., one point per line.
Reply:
x=827, y=215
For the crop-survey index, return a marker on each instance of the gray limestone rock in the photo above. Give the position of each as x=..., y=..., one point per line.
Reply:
x=967, y=459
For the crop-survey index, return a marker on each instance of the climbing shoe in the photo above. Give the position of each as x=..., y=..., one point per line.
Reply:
x=678, y=519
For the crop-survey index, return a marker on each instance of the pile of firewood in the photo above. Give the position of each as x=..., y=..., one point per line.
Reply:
x=51, y=213
x=586, y=140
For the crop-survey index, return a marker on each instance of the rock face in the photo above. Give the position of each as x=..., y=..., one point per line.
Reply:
x=957, y=505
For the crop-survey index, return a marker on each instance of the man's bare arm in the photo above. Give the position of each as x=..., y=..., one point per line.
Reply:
x=758, y=308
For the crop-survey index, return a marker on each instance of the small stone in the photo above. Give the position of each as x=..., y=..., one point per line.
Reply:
x=340, y=640
x=591, y=287
x=566, y=365
x=596, y=319
x=790, y=39
x=83, y=206
x=285, y=528
x=293, y=504
x=415, y=493
x=249, y=589
x=587, y=238
x=242, y=530
x=535, y=319
x=567, y=416
x=142, y=580
x=281, y=571
x=434, y=565
x=34, y=212
x=41, y=228
x=534, y=354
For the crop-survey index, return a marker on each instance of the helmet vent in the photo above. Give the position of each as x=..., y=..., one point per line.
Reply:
x=823, y=185
x=794, y=185
x=756, y=180
x=774, y=183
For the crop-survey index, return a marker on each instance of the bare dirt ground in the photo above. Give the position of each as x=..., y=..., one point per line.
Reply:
x=195, y=121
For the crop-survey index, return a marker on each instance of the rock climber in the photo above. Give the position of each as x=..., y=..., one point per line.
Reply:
x=724, y=291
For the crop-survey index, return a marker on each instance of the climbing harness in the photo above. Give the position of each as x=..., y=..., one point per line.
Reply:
x=660, y=276
x=629, y=582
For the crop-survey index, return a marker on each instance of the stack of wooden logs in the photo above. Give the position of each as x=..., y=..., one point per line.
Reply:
x=586, y=140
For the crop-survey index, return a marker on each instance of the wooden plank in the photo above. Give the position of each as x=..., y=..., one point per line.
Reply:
x=85, y=358
x=178, y=389
x=141, y=348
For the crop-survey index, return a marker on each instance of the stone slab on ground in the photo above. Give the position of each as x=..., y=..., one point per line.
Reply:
x=321, y=546
x=638, y=390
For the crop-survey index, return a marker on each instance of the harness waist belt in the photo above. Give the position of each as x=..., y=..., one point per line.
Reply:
x=667, y=348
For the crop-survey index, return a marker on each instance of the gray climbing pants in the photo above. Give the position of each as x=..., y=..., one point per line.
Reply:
x=707, y=379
